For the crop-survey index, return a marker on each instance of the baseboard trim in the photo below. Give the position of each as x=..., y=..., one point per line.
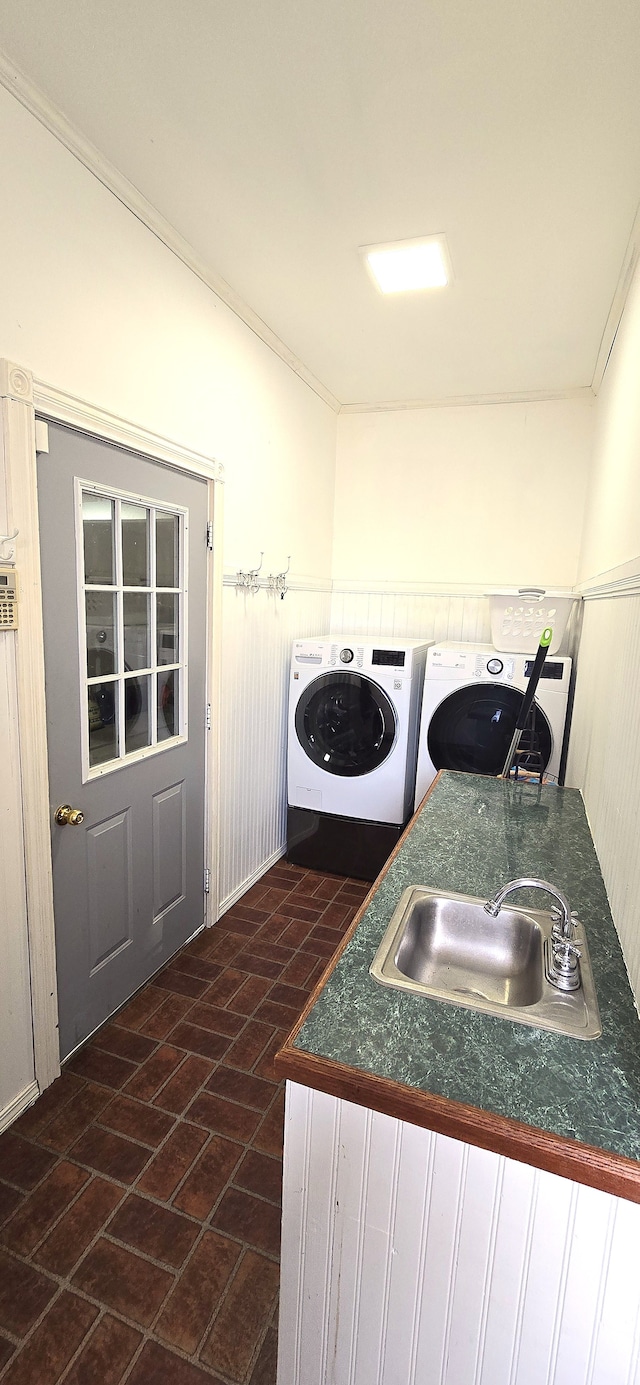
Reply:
x=252, y=879
x=19, y=1104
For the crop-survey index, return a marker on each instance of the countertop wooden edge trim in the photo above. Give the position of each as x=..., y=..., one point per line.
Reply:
x=611, y=1173
x=596, y=1168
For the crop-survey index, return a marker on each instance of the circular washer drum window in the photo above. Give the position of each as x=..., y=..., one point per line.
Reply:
x=345, y=723
x=471, y=730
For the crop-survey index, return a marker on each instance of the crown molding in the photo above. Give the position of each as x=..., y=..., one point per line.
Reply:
x=618, y=303
x=461, y=401
x=49, y=115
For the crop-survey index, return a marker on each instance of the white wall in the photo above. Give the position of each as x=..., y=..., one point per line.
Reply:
x=94, y=304
x=490, y=494
x=612, y=521
x=604, y=749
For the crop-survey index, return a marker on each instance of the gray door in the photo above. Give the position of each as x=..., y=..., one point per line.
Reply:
x=124, y=577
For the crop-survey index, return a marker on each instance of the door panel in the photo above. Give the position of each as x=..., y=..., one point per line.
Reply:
x=110, y=886
x=125, y=677
x=169, y=855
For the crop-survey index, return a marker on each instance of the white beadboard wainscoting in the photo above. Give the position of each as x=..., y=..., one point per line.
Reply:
x=17, y=1070
x=409, y=1258
x=411, y=614
x=258, y=630
x=604, y=752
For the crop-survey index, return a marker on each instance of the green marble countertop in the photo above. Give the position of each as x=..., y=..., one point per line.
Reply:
x=472, y=835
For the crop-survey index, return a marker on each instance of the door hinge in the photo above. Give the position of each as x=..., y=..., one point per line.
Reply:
x=210, y=535
x=207, y=880
x=42, y=435
x=207, y=720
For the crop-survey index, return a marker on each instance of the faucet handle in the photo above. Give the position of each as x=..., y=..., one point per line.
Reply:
x=556, y=926
x=563, y=949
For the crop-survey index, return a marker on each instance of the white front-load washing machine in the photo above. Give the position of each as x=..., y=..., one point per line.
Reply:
x=472, y=697
x=354, y=709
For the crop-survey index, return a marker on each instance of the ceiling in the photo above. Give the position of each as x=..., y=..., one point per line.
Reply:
x=277, y=138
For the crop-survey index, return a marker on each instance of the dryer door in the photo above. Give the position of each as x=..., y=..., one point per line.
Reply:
x=345, y=723
x=472, y=729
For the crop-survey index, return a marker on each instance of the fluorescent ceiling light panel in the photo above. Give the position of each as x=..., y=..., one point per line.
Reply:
x=409, y=264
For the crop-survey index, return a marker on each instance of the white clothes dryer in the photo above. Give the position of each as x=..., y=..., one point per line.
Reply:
x=472, y=696
x=354, y=708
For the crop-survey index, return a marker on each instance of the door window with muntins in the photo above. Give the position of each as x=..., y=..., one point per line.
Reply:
x=132, y=564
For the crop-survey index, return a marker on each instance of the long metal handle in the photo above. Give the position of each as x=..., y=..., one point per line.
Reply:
x=534, y=678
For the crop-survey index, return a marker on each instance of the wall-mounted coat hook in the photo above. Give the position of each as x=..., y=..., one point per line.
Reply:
x=9, y=556
x=278, y=580
x=250, y=580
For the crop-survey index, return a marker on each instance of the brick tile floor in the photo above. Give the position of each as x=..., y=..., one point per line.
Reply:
x=140, y=1195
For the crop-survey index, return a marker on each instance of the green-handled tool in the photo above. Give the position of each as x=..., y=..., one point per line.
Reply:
x=545, y=641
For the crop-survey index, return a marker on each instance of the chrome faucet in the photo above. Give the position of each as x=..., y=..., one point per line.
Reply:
x=561, y=951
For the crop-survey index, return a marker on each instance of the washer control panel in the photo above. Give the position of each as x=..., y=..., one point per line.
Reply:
x=495, y=666
x=377, y=660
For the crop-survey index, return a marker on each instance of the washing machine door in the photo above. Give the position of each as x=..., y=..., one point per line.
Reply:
x=345, y=723
x=472, y=728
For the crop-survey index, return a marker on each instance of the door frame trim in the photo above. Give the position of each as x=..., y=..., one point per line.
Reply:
x=61, y=407
x=21, y=397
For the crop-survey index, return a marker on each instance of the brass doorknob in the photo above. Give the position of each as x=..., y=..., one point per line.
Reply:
x=66, y=814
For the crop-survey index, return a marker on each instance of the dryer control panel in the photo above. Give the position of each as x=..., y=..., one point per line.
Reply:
x=449, y=663
x=498, y=666
x=464, y=665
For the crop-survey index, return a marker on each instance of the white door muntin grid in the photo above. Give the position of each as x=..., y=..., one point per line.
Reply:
x=121, y=676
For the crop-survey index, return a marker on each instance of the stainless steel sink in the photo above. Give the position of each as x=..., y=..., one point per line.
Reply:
x=447, y=946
